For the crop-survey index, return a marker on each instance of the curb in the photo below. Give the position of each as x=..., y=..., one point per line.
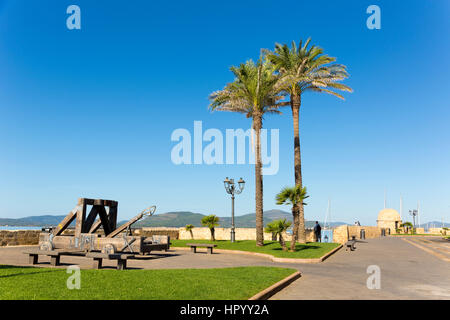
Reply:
x=274, y=259
x=270, y=291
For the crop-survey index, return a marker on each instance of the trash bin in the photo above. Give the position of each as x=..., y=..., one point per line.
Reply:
x=362, y=234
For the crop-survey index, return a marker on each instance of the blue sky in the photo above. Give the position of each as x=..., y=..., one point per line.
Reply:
x=90, y=112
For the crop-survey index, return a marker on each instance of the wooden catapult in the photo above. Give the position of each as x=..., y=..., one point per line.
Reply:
x=114, y=240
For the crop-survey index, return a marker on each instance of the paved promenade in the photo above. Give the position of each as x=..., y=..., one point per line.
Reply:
x=411, y=268
x=407, y=272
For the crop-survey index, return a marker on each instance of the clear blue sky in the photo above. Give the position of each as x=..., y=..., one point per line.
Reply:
x=90, y=112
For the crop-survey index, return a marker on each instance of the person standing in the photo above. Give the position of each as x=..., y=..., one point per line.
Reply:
x=318, y=231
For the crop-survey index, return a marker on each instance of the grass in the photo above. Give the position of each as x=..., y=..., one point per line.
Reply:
x=29, y=283
x=303, y=251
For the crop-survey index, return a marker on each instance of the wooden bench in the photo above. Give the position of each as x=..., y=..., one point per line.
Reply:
x=55, y=256
x=120, y=257
x=208, y=246
x=33, y=256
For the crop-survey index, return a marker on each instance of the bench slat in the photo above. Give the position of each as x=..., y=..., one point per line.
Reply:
x=112, y=256
x=201, y=245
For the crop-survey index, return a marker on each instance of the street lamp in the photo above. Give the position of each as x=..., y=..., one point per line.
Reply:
x=230, y=188
x=414, y=213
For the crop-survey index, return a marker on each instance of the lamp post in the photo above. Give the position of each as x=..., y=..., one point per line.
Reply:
x=230, y=188
x=414, y=214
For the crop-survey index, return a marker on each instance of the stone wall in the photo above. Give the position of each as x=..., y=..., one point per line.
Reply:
x=371, y=232
x=342, y=233
x=222, y=234
x=202, y=233
x=19, y=237
x=420, y=230
x=31, y=237
x=438, y=231
x=173, y=233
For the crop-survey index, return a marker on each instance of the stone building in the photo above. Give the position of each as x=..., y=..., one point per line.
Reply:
x=389, y=219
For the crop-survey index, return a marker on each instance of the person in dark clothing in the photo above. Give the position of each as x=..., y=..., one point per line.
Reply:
x=317, y=231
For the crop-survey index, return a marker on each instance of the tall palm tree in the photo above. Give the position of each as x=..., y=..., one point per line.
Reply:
x=253, y=94
x=302, y=68
x=293, y=196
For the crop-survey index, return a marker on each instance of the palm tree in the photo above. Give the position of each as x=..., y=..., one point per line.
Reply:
x=277, y=227
x=189, y=228
x=304, y=69
x=253, y=94
x=293, y=196
x=407, y=226
x=211, y=222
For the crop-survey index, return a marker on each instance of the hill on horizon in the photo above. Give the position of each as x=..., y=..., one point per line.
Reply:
x=181, y=218
x=32, y=221
x=168, y=219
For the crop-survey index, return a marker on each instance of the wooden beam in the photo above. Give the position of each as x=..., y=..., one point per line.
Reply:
x=81, y=215
x=95, y=226
x=113, y=217
x=104, y=220
x=98, y=202
x=66, y=222
x=125, y=226
x=90, y=219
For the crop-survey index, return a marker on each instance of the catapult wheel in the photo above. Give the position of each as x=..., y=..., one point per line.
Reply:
x=46, y=246
x=109, y=249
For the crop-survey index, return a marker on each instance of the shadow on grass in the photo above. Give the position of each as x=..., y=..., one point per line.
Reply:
x=299, y=247
x=3, y=267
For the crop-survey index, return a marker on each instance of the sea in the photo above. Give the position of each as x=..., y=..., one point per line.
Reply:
x=19, y=228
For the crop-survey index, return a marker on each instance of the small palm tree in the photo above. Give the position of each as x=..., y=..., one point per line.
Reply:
x=189, y=228
x=302, y=68
x=277, y=227
x=407, y=226
x=211, y=222
x=253, y=94
x=293, y=196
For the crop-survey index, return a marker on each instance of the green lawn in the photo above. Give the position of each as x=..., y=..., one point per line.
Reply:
x=306, y=251
x=169, y=284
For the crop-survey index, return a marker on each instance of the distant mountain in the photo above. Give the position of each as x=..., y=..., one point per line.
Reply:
x=434, y=224
x=169, y=219
x=182, y=218
x=34, y=221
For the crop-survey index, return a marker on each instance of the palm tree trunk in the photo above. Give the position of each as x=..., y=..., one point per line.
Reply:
x=294, y=227
x=295, y=106
x=213, y=236
x=282, y=243
x=257, y=124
